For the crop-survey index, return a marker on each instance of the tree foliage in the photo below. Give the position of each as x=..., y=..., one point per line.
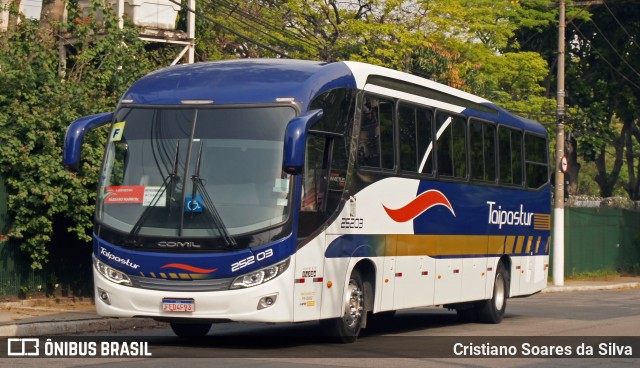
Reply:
x=604, y=90
x=36, y=106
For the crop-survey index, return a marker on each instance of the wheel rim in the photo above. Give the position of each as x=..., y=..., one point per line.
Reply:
x=499, y=292
x=353, y=305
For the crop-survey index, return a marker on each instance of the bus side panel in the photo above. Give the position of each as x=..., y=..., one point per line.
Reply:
x=516, y=275
x=335, y=273
x=308, y=281
x=448, y=288
x=492, y=265
x=415, y=273
x=389, y=273
x=474, y=278
x=531, y=277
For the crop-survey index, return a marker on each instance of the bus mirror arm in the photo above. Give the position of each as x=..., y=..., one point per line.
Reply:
x=295, y=140
x=75, y=136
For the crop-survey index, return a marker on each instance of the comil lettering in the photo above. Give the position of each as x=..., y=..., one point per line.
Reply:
x=501, y=217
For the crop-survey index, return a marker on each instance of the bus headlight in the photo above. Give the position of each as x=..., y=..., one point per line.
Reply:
x=260, y=276
x=111, y=273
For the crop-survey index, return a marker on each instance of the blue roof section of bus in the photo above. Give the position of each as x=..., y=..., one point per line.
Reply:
x=259, y=81
x=242, y=81
x=508, y=118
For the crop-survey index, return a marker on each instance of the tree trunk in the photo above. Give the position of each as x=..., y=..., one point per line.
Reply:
x=574, y=166
x=51, y=15
x=607, y=181
x=633, y=187
x=14, y=15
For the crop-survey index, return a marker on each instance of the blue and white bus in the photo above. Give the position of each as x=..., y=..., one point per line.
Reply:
x=288, y=191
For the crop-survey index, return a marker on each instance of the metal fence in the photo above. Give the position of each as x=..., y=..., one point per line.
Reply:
x=602, y=234
x=22, y=284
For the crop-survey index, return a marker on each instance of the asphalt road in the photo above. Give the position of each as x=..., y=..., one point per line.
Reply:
x=533, y=328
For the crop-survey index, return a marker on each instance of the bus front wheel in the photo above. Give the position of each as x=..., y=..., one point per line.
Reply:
x=345, y=329
x=190, y=329
x=492, y=310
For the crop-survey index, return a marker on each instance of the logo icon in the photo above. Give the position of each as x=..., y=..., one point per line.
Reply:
x=419, y=205
x=23, y=347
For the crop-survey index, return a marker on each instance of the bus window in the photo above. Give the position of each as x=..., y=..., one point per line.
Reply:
x=337, y=106
x=375, y=142
x=451, y=146
x=483, y=150
x=510, y=156
x=315, y=174
x=536, y=161
x=415, y=139
x=323, y=184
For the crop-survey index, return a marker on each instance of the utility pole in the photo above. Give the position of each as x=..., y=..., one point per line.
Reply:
x=558, y=210
x=191, y=32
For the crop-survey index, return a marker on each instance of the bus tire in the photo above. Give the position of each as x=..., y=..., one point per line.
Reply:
x=190, y=329
x=346, y=329
x=492, y=310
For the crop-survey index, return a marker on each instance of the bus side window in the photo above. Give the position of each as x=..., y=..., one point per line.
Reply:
x=415, y=139
x=510, y=156
x=451, y=146
x=315, y=174
x=375, y=140
x=536, y=161
x=323, y=184
x=483, y=150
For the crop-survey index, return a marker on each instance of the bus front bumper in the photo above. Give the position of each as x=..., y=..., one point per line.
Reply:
x=248, y=304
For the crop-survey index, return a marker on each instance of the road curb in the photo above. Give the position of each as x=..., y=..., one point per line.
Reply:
x=561, y=289
x=77, y=326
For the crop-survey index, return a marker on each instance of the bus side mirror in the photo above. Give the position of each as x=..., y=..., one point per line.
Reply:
x=295, y=139
x=75, y=136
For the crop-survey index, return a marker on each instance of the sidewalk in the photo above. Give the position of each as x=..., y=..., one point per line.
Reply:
x=42, y=317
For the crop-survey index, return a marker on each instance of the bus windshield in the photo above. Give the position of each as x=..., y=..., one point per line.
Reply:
x=195, y=172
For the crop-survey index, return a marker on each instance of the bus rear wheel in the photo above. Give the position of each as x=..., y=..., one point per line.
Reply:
x=346, y=329
x=492, y=310
x=190, y=329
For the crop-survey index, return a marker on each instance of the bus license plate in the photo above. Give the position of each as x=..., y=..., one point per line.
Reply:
x=178, y=305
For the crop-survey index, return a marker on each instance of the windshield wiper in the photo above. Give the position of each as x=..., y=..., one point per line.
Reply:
x=170, y=180
x=209, y=207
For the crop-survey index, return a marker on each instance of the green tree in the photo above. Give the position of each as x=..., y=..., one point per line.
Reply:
x=36, y=106
x=605, y=90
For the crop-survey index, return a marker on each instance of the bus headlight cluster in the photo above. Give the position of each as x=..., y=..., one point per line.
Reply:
x=260, y=276
x=111, y=273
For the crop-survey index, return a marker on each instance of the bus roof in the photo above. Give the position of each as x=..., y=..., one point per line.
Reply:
x=259, y=81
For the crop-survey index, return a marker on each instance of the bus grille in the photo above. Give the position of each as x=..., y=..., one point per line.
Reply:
x=180, y=285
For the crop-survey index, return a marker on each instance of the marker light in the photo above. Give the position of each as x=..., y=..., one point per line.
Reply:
x=111, y=273
x=196, y=102
x=260, y=276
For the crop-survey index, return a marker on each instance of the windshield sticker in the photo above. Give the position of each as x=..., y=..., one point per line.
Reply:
x=150, y=194
x=193, y=205
x=126, y=194
x=281, y=186
x=116, y=132
x=282, y=202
